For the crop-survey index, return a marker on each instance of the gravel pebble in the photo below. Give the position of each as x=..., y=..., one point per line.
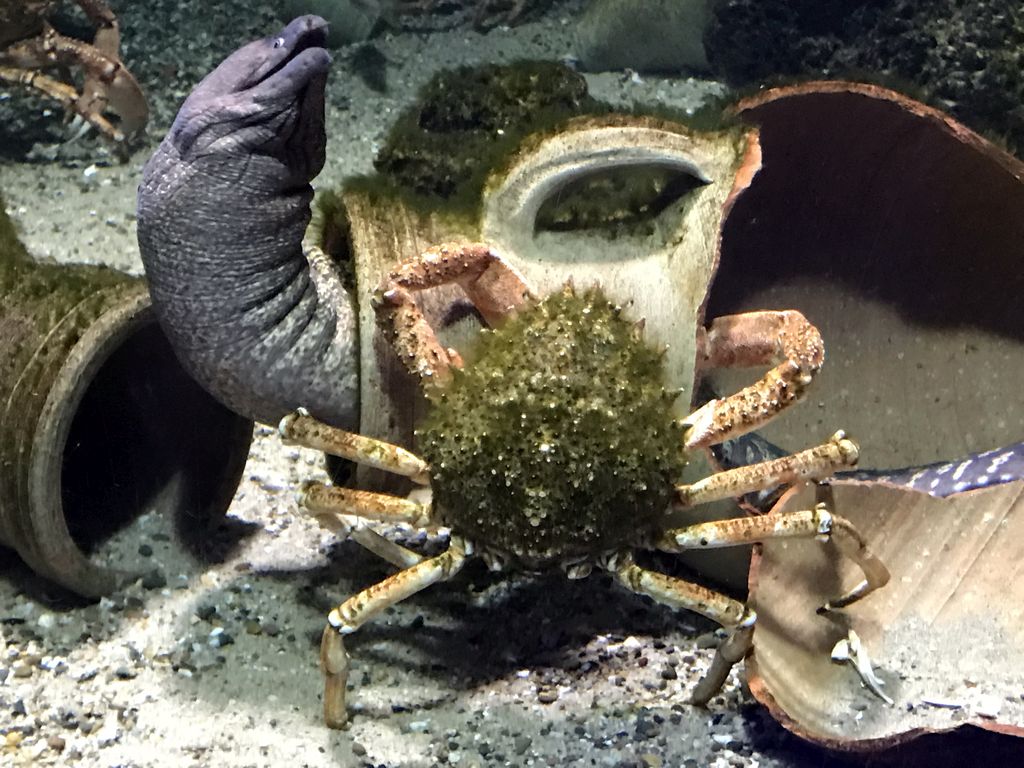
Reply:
x=521, y=743
x=547, y=695
x=154, y=580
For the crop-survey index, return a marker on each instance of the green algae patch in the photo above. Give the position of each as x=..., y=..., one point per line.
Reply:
x=470, y=123
x=556, y=441
x=331, y=230
x=44, y=312
x=467, y=120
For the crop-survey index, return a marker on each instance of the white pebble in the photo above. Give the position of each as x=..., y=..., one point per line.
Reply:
x=988, y=706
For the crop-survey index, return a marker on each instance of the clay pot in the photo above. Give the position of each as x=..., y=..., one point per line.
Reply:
x=900, y=234
x=98, y=421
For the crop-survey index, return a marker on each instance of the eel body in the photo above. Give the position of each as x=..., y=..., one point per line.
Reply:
x=222, y=209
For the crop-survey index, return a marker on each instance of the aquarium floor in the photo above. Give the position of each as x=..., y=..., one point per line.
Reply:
x=215, y=663
x=212, y=661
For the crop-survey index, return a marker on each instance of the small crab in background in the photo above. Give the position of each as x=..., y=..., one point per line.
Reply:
x=555, y=446
x=29, y=47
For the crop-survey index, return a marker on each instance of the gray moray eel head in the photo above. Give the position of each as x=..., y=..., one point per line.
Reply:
x=265, y=99
x=223, y=207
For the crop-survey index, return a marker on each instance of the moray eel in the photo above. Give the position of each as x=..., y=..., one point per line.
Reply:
x=222, y=209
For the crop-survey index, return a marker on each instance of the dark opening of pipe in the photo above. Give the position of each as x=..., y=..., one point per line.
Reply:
x=616, y=198
x=146, y=437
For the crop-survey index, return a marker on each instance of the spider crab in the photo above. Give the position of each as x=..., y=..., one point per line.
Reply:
x=555, y=447
x=29, y=45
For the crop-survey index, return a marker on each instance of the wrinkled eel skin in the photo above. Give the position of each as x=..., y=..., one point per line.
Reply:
x=222, y=209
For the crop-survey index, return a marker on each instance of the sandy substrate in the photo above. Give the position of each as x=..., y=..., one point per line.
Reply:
x=215, y=663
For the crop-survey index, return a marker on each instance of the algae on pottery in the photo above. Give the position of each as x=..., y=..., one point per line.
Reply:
x=98, y=423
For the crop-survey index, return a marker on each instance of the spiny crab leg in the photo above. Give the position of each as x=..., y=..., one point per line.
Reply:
x=349, y=526
x=784, y=338
x=815, y=463
x=495, y=289
x=302, y=429
x=331, y=504
x=678, y=593
x=817, y=523
x=360, y=608
x=107, y=81
x=740, y=619
x=321, y=499
x=108, y=31
x=55, y=89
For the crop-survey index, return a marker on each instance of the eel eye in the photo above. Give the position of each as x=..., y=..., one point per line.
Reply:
x=279, y=42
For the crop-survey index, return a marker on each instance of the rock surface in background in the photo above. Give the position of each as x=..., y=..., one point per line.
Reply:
x=643, y=35
x=966, y=55
x=351, y=21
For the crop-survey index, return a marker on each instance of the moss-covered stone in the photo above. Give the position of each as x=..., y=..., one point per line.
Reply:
x=470, y=122
x=556, y=441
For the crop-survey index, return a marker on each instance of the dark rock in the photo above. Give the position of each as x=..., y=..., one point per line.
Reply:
x=521, y=743
x=154, y=580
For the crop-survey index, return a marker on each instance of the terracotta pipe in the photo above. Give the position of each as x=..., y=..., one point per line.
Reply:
x=98, y=421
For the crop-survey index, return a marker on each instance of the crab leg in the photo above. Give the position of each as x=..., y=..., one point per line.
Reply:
x=339, y=509
x=352, y=527
x=323, y=499
x=815, y=463
x=108, y=31
x=783, y=338
x=677, y=593
x=488, y=280
x=302, y=429
x=107, y=81
x=360, y=608
x=56, y=90
x=818, y=523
